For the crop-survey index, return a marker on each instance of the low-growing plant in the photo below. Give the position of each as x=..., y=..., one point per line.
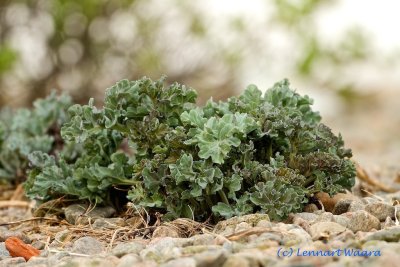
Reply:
x=25, y=131
x=253, y=153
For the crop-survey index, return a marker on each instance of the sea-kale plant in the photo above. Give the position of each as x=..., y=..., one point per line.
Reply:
x=27, y=130
x=256, y=152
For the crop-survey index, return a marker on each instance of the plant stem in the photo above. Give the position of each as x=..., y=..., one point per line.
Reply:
x=209, y=202
x=269, y=151
x=223, y=197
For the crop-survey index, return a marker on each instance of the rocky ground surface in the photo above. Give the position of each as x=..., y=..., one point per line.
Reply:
x=347, y=230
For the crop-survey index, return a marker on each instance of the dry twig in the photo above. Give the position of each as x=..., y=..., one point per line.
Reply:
x=14, y=203
x=29, y=220
x=364, y=176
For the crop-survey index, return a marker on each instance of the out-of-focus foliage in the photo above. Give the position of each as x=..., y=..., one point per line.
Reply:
x=84, y=46
x=252, y=153
x=298, y=18
x=25, y=131
x=7, y=58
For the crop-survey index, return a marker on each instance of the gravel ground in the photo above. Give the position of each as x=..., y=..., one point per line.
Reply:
x=353, y=231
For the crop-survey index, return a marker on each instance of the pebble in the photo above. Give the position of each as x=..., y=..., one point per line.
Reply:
x=310, y=208
x=342, y=206
x=389, y=234
x=256, y=257
x=165, y=231
x=302, y=223
x=369, y=200
x=251, y=219
x=236, y=261
x=380, y=210
x=204, y=239
x=210, y=258
x=326, y=230
x=56, y=257
x=342, y=220
x=163, y=249
x=129, y=260
x=181, y=262
x=307, y=216
x=38, y=244
x=264, y=223
x=362, y=221
x=76, y=213
x=108, y=223
x=388, y=223
x=356, y=206
x=389, y=258
x=228, y=230
x=128, y=248
x=308, y=230
x=161, y=244
x=35, y=261
x=4, y=234
x=88, y=246
x=3, y=251
x=191, y=250
x=242, y=227
x=270, y=236
x=148, y=263
x=7, y=262
x=84, y=262
x=296, y=237
x=325, y=217
x=346, y=235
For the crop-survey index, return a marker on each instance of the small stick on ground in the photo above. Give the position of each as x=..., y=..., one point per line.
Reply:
x=18, y=193
x=29, y=220
x=364, y=176
x=14, y=203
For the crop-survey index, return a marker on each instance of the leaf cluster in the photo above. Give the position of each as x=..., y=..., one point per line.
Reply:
x=27, y=130
x=252, y=153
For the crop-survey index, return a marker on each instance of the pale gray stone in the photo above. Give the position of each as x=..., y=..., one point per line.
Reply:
x=76, y=213
x=251, y=219
x=87, y=245
x=324, y=217
x=213, y=258
x=204, y=239
x=362, y=221
x=181, y=262
x=108, y=223
x=128, y=248
x=3, y=251
x=236, y=261
x=242, y=227
x=342, y=220
x=325, y=230
x=391, y=234
x=4, y=234
x=165, y=231
x=129, y=260
x=380, y=210
x=307, y=216
x=8, y=262
x=356, y=205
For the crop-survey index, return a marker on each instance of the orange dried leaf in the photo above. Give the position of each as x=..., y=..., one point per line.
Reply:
x=17, y=248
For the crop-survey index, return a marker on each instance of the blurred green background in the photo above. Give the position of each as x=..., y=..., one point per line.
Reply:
x=344, y=54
